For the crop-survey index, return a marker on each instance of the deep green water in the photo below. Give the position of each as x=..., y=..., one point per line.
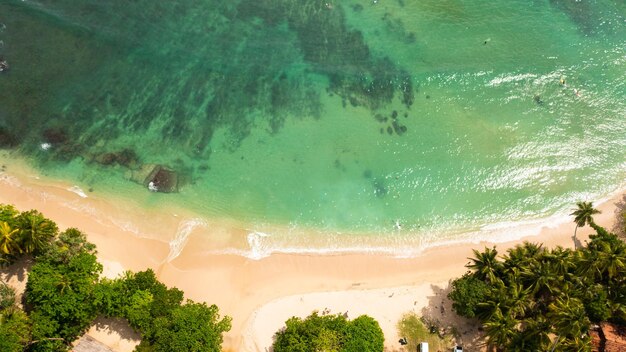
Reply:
x=442, y=116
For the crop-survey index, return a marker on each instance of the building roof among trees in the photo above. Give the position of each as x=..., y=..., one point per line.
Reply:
x=609, y=338
x=88, y=344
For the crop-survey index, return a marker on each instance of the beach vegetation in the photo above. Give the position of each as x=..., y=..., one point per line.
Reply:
x=193, y=327
x=7, y=296
x=583, y=215
x=64, y=294
x=533, y=298
x=467, y=295
x=329, y=333
x=14, y=329
x=8, y=239
x=60, y=286
x=415, y=329
x=35, y=231
x=26, y=232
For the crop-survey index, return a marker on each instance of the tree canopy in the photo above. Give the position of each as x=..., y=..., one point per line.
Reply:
x=329, y=333
x=65, y=293
x=538, y=299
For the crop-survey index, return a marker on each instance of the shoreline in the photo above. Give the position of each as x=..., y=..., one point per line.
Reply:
x=243, y=287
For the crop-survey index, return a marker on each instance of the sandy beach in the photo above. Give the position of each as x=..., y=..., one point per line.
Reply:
x=261, y=294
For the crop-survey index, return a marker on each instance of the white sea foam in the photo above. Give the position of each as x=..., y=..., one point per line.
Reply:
x=185, y=228
x=510, y=78
x=10, y=180
x=77, y=190
x=258, y=245
x=264, y=244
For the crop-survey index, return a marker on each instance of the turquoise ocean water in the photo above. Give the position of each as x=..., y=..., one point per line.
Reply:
x=390, y=122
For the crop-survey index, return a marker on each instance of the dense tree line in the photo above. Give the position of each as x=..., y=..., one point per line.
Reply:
x=535, y=299
x=332, y=333
x=64, y=294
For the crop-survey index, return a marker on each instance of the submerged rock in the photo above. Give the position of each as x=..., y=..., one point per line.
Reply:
x=162, y=180
x=125, y=157
x=7, y=139
x=55, y=136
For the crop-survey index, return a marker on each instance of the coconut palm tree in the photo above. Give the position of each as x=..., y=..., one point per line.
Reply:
x=535, y=334
x=485, y=264
x=569, y=319
x=35, y=231
x=521, y=258
x=610, y=260
x=500, y=330
x=495, y=301
x=518, y=299
x=542, y=278
x=583, y=215
x=561, y=260
x=8, y=242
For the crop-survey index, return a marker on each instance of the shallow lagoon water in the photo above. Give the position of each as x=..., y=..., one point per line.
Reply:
x=398, y=122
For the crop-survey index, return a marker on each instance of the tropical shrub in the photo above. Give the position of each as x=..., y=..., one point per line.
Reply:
x=193, y=327
x=329, y=333
x=61, y=286
x=14, y=330
x=468, y=292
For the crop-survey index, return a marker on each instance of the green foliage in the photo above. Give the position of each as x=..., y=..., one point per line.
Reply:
x=70, y=243
x=61, y=285
x=164, y=300
x=584, y=215
x=597, y=304
x=364, y=334
x=7, y=296
x=467, y=293
x=9, y=244
x=8, y=213
x=26, y=232
x=137, y=310
x=534, y=295
x=416, y=330
x=14, y=330
x=35, y=231
x=65, y=294
x=486, y=265
x=193, y=327
x=45, y=328
x=156, y=311
x=329, y=333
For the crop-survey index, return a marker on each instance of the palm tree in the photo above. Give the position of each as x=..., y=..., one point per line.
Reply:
x=500, y=330
x=494, y=303
x=486, y=265
x=535, y=334
x=36, y=231
x=542, y=278
x=610, y=261
x=604, y=259
x=518, y=299
x=561, y=260
x=8, y=244
x=521, y=257
x=570, y=320
x=583, y=215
